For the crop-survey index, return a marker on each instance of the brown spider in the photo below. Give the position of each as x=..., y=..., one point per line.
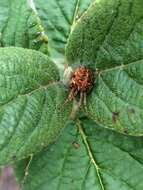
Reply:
x=81, y=82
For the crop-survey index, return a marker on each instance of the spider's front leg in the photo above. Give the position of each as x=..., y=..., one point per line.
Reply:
x=81, y=99
x=75, y=106
x=84, y=99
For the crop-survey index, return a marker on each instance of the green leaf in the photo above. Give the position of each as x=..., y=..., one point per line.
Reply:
x=109, y=34
x=58, y=18
x=20, y=26
x=30, y=98
x=116, y=101
x=90, y=158
x=109, y=37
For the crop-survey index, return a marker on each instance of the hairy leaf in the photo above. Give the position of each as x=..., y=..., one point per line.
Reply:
x=59, y=18
x=30, y=97
x=117, y=100
x=108, y=37
x=20, y=26
x=109, y=34
x=90, y=158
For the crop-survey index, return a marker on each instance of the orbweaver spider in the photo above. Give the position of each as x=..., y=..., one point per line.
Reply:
x=80, y=82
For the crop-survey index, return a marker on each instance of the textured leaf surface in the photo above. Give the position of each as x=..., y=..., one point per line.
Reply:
x=117, y=99
x=58, y=18
x=109, y=34
x=69, y=164
x=20, y=26
x=30, y=95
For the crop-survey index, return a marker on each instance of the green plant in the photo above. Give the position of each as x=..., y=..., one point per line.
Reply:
x=102, y=148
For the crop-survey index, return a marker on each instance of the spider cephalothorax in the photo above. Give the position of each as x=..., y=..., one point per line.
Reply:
x=81, y=83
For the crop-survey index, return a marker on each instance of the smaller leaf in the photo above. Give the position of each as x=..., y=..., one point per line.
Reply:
x=58, y=18
x=116, y=101
x=20, y=26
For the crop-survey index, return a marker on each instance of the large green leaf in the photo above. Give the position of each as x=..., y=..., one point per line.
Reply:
x=20, y=26
x=59, y=18
x=30, y=97
x=109, y=34
x=89, y=158
x=109, y=37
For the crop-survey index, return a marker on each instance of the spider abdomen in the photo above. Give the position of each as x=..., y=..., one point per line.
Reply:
x=82, y=79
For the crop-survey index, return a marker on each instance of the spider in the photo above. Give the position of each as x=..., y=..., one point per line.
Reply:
x=80, y=83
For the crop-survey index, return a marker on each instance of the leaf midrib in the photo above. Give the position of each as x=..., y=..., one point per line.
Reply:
x=74, y=21
x=90, y=154
x=44, y=87
x=121, y=67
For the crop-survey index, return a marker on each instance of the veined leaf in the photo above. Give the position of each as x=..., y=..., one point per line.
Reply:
x=109, y=34
x=20, y=26
x=30, y=97
x=108, y=37
x=117, y=99
x=59, y=18
x=89, y=158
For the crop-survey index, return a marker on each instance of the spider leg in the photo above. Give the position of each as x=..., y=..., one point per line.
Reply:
x=81, y=99
x=76, y=105
x=84, y=98
x=69, y=99
x=85, y=103
x=75, y=108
